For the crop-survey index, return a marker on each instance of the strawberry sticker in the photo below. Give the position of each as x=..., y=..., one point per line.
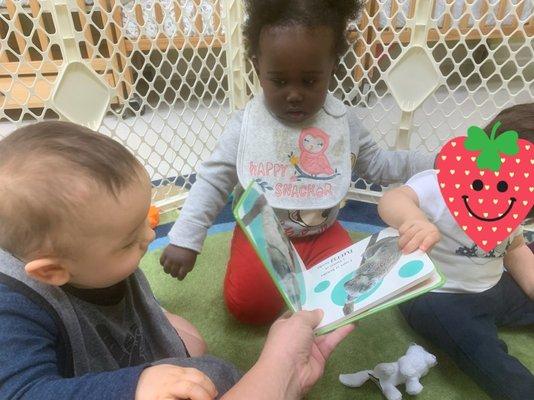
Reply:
x=487, y=183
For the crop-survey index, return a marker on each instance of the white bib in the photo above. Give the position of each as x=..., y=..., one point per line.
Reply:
x=300, y=166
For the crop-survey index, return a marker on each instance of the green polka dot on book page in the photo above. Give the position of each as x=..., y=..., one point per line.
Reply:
x=321, y=286
x=411, y=268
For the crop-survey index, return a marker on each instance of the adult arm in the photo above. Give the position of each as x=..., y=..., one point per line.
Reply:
x=292, y=360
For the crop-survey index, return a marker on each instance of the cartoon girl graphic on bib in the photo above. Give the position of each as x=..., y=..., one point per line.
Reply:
x=313, y=143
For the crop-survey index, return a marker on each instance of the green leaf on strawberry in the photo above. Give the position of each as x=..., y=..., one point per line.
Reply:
x=491, y=147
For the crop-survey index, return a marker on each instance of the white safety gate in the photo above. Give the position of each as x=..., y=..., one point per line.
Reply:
x=176, y=70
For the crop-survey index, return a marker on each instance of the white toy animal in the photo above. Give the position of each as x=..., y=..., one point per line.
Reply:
x=408, y=369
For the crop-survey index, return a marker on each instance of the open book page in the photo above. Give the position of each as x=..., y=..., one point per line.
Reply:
x=260, y=224
x=433, y=281
x=369, y=275
x=363, y=276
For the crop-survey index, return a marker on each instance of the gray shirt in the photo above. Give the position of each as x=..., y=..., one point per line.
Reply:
x=217, y=177
x=108, y=335
x=118, y=332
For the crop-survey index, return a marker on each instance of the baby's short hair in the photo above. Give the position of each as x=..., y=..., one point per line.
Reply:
x=519, y=118
x=47, y=172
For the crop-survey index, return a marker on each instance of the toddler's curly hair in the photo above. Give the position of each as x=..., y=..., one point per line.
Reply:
x=309, y=13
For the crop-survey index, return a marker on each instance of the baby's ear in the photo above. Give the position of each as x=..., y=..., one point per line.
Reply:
x=49, y=271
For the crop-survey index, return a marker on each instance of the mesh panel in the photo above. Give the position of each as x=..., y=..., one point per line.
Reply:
x=164, y=62
x=176, y=71
x=484, y=53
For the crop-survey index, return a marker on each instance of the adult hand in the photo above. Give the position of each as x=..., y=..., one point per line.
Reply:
x=178, y=261
x=292, y=345
x=170, y=382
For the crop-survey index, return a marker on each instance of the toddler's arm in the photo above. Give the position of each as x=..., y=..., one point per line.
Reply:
x=381, y=166
x=399, y=208
x=519, y=261
x=215, y=180
x=32, y=364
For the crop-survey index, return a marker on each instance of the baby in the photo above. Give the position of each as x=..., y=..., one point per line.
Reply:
x=462, y=316
x=77, y=317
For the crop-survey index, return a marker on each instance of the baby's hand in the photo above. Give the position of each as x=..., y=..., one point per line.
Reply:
x=170, y=382
x=178, y=261
x=417, y=234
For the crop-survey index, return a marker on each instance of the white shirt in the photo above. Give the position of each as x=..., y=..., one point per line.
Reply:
x=468, y=268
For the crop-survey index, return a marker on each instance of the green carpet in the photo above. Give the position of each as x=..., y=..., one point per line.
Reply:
x=381, y=337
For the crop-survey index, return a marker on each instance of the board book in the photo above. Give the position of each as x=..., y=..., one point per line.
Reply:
x=364, y=278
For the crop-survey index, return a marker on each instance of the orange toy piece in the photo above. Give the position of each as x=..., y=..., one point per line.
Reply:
x=153, y=216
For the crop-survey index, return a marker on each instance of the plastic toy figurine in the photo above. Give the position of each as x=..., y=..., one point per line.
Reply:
x=408, y=370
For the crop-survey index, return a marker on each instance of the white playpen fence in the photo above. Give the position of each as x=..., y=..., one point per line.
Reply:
x=176, y=70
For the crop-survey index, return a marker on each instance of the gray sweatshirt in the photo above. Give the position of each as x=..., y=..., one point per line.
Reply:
x=217, y=177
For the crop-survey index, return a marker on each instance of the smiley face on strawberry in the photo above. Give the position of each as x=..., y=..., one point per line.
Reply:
x=487, y=183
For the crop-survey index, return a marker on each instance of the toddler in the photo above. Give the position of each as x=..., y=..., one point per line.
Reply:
x=479, y=296
x=297, y=141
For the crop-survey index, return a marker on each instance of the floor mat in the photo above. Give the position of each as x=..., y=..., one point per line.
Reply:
x=382, y=337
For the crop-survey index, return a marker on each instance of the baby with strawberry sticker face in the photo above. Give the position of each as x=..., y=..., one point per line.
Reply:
x=468, y=212
x=487, y=183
